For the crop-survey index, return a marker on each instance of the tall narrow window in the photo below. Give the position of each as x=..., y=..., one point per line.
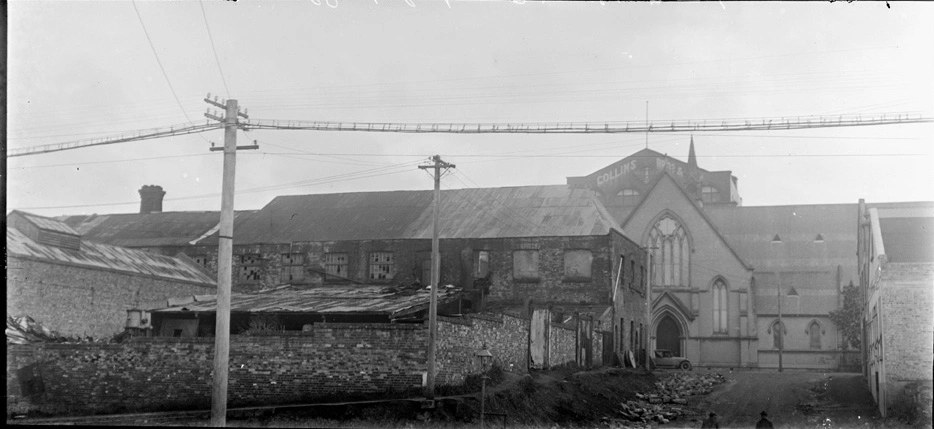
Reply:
x=671, y=252
x=335, y=266
x=381, y=266
x=815, y=334
x=481, y=264
x=719, y=298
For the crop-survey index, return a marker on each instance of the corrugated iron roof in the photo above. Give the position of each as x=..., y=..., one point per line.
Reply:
x=525, y=211
x=146, y=229
x=96, y=255
x=322, y=300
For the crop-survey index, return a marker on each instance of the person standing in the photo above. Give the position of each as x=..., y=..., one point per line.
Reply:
x=764, y=422
x=711, y=422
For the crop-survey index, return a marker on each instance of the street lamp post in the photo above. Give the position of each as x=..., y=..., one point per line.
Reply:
x=485, y=358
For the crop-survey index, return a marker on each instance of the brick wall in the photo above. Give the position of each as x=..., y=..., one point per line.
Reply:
x=83, y=301
x=908, y=338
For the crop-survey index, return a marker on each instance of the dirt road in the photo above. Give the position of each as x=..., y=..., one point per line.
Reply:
x=792, y=399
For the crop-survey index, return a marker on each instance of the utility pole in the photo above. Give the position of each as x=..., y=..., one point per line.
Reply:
x=224, y=258
x=437, y=165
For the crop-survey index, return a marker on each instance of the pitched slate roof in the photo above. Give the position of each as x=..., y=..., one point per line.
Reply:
x=326, y=300
x=525, y=211
x=146, y=229
x=103, y=256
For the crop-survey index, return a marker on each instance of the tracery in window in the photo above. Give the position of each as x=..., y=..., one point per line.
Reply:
x=668, y=242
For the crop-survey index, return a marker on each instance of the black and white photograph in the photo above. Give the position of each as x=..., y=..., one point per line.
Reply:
x=456, y=214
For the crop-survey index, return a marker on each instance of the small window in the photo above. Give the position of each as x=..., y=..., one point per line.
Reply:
x=577, y=264
x=632, y=273
x=525, y=265
x=481, y=264
x=335, y=266
x=381, y=266
x=426, y=271
x=709, y=194
x=249, y=268
x=628, y=197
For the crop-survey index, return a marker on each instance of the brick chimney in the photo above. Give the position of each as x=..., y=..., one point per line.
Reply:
x=150, y=199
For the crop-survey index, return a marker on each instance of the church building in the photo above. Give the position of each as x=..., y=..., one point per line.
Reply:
x=732, y=286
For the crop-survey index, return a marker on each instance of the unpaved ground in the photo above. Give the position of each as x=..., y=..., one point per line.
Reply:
x=793, y=400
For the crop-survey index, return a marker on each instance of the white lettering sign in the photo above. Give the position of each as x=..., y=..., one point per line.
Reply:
x=616, y=173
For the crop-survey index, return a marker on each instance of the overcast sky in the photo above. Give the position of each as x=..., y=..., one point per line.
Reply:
x=87, y=69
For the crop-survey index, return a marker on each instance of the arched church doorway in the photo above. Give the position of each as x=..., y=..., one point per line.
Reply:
x=668, y=336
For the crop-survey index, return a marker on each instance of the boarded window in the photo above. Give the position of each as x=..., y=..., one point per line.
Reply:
x=200, y=260
x=30, y=379
x=335, y=266
x=577, y=264
x=525, y=265
x=481, y=264
x=293, y=267
x=381, y=266
x=249, y=268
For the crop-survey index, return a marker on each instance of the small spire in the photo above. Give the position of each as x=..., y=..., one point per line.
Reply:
x=692, y=158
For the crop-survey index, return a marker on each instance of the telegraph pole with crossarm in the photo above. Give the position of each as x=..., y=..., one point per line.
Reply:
x=224, y=257
x=437, y=164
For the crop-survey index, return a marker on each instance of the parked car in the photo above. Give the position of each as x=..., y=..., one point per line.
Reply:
x=664, y=359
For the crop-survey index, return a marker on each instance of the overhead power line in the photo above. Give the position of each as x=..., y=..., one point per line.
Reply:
x=663, y=126
x=759, y=124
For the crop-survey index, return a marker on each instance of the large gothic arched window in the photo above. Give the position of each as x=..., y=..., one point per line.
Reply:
x=671, y=253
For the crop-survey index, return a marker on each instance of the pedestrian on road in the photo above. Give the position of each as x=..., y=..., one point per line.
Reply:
x=711, y=422
x=764, y=422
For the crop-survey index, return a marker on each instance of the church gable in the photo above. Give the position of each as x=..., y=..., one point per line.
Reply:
x=669, y=212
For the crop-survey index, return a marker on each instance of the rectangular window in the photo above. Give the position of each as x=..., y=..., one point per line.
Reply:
x=577, y=264
x=426, y=271
x=381, y=266
x=481, y=264
x=293, y=267
x=335, y=266
x=632, y=273
x=525, y=265
x=249, y=268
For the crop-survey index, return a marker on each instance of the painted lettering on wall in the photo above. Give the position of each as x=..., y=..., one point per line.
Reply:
x=662, y=164
x=616, y=173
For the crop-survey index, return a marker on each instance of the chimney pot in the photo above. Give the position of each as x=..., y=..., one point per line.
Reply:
x=150, y=199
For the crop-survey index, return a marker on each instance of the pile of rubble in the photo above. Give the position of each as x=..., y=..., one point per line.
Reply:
x=654, y=407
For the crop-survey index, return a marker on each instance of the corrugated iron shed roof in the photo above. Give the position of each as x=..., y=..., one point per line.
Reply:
x=146, y=229
x=103, y=256
x=525, y=211
x=322, y=300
